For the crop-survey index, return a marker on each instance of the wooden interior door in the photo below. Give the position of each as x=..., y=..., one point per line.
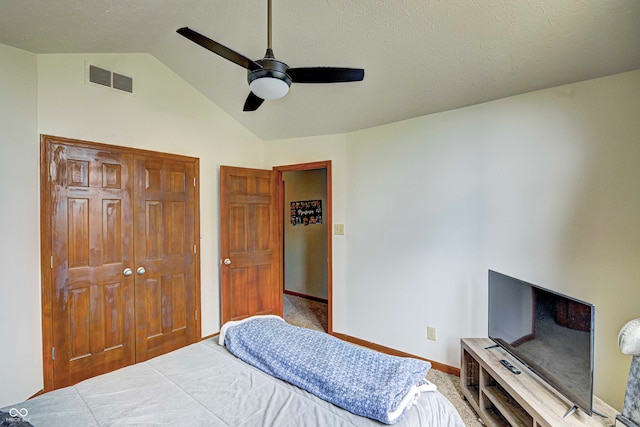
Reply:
x=251, y=260
x=165, y=252
x=92, y=309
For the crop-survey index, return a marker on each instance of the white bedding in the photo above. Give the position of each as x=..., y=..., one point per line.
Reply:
x=204, y=385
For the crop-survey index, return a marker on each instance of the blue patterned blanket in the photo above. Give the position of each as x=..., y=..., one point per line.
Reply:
x=357, y=379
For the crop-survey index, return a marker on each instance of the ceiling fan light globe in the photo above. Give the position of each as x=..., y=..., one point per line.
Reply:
x=269, y=87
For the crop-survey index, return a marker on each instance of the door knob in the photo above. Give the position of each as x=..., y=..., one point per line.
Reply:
x=141, y=270
x=127, y=272
x=227, y=261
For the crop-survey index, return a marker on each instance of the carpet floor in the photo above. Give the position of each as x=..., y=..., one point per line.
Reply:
x=311, y=314
x=305, y=313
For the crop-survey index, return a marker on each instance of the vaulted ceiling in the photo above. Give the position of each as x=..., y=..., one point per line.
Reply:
x=420, y=57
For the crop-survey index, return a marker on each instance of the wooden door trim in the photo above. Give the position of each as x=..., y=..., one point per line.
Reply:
x=198, y=238
x=46, y=237
x=45, y=266
x=328, y=219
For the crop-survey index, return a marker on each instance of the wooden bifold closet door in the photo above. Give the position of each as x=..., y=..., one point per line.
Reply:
x=120, y=237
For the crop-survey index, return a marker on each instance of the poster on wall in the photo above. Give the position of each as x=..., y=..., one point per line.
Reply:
x=306, y=212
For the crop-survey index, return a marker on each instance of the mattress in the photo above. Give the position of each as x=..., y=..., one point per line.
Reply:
x=205, y=385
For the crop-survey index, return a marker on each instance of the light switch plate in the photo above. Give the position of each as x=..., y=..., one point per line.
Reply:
x=338, y=229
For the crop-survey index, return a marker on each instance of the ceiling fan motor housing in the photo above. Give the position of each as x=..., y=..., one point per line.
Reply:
x=265, y=82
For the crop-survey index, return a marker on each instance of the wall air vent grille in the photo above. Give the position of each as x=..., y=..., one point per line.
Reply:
x=99, y=75
x=121, y=82
x=110, y=79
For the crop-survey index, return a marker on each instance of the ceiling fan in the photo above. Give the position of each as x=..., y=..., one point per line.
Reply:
x=269, y=78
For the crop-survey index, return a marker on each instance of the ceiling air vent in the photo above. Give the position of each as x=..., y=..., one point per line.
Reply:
x=110, y=79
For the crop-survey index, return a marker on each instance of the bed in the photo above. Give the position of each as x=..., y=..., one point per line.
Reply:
x=205, y=385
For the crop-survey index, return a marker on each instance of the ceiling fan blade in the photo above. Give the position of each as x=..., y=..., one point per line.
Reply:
x=219, y=49
x=253, y=102
x=325, y=74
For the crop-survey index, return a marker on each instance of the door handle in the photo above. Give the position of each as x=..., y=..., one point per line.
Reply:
x=227, y=261
x=127, y=272
x=141, y=270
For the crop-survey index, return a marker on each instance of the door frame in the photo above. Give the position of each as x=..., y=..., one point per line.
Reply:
x=46, y=238
x=328, y=218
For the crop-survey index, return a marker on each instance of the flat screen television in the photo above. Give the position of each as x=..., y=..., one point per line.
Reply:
x=550, y=333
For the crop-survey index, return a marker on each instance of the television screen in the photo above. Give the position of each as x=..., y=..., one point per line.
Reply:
x=550, y=333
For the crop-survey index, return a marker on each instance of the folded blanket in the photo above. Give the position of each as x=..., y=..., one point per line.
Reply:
x=362, y=381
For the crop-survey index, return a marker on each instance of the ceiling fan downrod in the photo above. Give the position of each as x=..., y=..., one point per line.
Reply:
x=269, y=26
x=272, y=81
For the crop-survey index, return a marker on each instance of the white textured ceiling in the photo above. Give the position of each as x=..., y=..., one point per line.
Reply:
x=419, y=57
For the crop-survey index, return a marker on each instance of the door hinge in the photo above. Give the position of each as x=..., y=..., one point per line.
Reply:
x=194, y=181
x=194, y=248
x=196, y=314
x=51, y=262
x=53, y=353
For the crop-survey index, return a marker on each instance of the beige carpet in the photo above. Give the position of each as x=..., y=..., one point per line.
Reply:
x=305, y=313
x=449, y=386
x=313, y=315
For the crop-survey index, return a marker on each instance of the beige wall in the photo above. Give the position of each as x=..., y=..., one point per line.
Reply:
x=305, y=247
x=164, y=114
x=540, y=186
x=20, y=321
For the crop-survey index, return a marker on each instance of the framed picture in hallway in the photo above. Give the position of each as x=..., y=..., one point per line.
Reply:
x=306, y=212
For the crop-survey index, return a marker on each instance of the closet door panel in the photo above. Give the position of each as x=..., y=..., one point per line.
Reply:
x=165, y=237
x=92, y=300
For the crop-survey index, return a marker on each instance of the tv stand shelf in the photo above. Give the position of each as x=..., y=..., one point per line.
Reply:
x=502, y=398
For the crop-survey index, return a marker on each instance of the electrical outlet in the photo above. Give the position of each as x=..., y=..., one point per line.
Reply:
x=431, y=333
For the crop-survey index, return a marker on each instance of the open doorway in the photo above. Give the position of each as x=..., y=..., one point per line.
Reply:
x=306, y=238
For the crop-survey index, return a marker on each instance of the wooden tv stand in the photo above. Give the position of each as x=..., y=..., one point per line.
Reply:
x=502, y=398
